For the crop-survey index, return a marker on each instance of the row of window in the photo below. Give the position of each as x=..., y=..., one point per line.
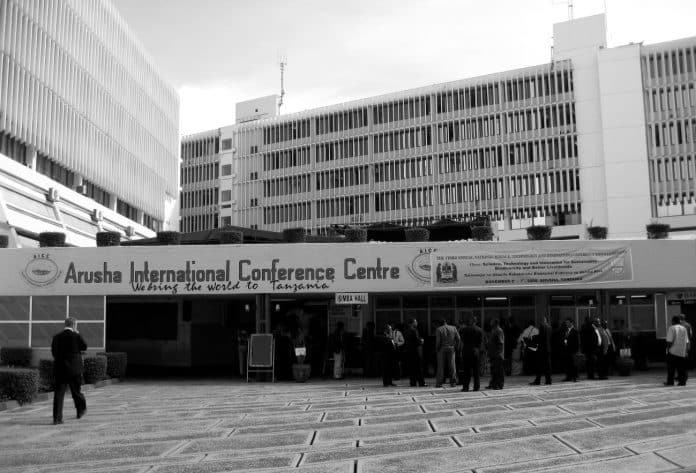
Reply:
x=402, y=139
x=286, y=158
x=677, y=132
x=401, y=110
x=346, y=205
x=200, y=198
x=404, y=169
x=13, y=148
x=286, y=185
x=516, y=186
x=404, y=199
x=674, y=206
x=293, y=130
x=197, y=148
x=678, y=97
x=341, y=121
x=524, y=88
x=199, y=173
x=345, y=177
x=668, y=63
x=287, y=213
x=127, y=210
x=672, y=169
x=195, y=223
x=341, y=149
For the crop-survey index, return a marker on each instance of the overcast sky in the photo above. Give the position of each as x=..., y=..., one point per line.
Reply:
x=219, y=52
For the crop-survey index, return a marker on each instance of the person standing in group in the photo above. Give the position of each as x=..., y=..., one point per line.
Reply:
x=678, y=347
x=398, y=338
x=413, y=350
x=66, y=348
x=529, y=341
x=446, y=344
x=471, y=337
x=606, y=351
x=690, y=333
x=368, y=348
x=496, y=353
x=571, y=344
x=543, y=354
x=338, y=348
x=591, y=342
x=388, y=353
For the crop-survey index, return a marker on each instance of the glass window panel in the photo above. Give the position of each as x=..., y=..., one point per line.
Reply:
x=642, y=318
x=14, y=308
x=48, y=308
x=14, y=335
x=522, y=300
x=559, y=314
x=522, y=315
x=496, y=301
x=42, y=333
x=93, y=333
x=468, y=301
x=562, y=300
x=442, y=301
x=387, y=302
x=586, y=300
x=618, y=318
x=641, y=299
x=416, y=302
x=386, y=317
x=448, y=314
x=87, y=307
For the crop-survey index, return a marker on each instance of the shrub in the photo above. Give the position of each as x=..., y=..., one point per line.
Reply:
x=356, y=234
x=19, y=357
x=20, y=384
x=484, y=233
x=657, y=231
x=386, y=232
x=417, y=234
x=47, y=380
x=51, y=239
x=169, y=238
x=294, y=235
x=108, y=239
x=95, y=369
x=231, y=237
x=539, y=232
x=116, y=363
x=597, y=233
x=4, y=241
x=449, y=230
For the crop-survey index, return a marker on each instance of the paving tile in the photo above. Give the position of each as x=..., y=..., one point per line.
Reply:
x=239, y=442
x=373, y=431
x=465, y=458
x=496, y=416
x=551, y=464
x=663, y=443
x=647, y=463
x=683, y=456
x=370, y=450
x=638, y=416
x=243, y=464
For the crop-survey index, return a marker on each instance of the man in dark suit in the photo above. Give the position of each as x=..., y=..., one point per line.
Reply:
x=471, y=339
x=543, y=361
x=413, y=348
x=571, y=345
x=67, y=348
x=591, y=342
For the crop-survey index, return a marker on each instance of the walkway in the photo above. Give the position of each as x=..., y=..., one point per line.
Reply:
x=625, y=424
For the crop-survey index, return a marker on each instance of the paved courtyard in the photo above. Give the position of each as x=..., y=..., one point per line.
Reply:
x=625, y=424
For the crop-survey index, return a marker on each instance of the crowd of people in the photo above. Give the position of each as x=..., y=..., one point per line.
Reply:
x=463, y=353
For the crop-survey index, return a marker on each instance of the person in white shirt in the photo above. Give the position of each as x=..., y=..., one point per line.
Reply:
x=398, y=338
x=677, y=351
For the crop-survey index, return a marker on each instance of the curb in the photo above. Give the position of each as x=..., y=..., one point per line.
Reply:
x=47, y=396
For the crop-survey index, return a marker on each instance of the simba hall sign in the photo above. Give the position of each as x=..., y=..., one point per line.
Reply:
x=310, y=268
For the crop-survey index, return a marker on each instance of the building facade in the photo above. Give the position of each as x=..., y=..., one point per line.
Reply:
x=598, y=136
x=88, y=126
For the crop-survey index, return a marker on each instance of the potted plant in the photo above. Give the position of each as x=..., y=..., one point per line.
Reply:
x=300, y=369
x=539, y=232
x=657, y=231
x=294, y=235
x=417, y=234
x=356, y=234
x=597, y=232
x=108, y=239
x=482, y=233
x=51, y=239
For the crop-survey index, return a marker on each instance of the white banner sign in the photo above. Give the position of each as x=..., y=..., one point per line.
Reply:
x=351, y=298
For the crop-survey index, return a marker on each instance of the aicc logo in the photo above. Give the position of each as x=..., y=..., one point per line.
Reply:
x=41, y=270
x=419, y=269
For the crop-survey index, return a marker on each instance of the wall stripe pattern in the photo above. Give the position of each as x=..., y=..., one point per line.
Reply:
x=78, y=87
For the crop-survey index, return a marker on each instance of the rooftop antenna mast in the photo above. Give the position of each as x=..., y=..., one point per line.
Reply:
x=282, y=61
x=570, y=9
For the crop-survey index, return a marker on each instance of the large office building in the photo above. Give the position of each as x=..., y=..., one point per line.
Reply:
x=88, y=127
x=601, y=136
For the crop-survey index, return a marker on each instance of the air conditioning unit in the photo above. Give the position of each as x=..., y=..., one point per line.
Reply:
x=53, y=195
x=130, y=231
x=81, y=189
x=97, y=215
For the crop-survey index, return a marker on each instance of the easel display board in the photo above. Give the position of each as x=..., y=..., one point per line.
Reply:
x=261, y=354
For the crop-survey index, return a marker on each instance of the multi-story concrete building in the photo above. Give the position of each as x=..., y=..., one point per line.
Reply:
x=601, y=136
x=88, y=126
